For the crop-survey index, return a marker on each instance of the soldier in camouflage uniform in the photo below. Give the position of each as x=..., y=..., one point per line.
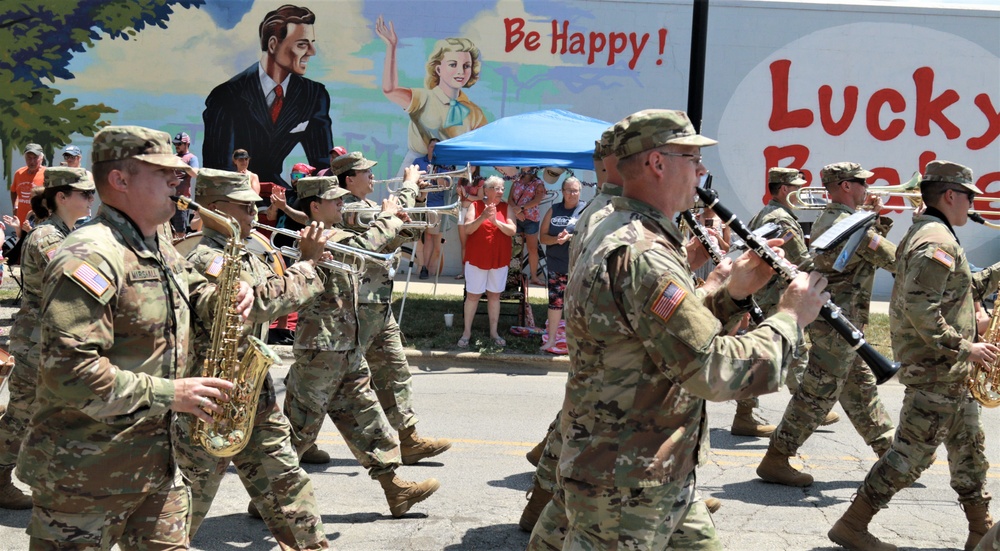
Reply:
x=329, y=376
x=98, y=455
x=381, y=343
x=780, y=183
x=280, y=490
x=933, y=327
x=65, y=197
x=835, y=372
x=646, y=352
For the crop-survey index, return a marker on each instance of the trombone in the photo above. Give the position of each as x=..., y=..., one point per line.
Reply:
x=351, y=260
x=366, y=214
x=395, y=185
x=814, y=198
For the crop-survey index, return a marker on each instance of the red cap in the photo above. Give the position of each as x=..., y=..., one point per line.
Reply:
x=303, y=168
x=338, y=150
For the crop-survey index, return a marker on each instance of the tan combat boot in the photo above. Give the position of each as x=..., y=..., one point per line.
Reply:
x=713, y=504
x=403, y=494
x=10, y=496
x=413, y=448
x=851, y=531
x=830, y=419
x=537, y=500
x=745, y=424
x=774, y=468
x=252, y=511
x=315, y=456
x=535, y=455
x=979, y=522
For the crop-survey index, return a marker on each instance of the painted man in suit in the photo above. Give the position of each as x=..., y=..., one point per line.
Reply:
x=270, y=107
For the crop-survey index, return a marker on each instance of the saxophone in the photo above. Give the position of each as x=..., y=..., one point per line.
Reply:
x=229, y=431
x=984, y=379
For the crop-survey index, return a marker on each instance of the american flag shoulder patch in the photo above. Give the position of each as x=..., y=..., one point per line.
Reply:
x=51, y=251
x=944, y=258
x=91, y=279
x=789, y=235
x=215, y=266
x=668, y=300
x=873, y=244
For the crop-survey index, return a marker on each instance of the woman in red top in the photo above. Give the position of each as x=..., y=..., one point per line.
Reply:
x=487, y=257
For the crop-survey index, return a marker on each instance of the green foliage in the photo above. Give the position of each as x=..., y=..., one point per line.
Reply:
x=37, y=43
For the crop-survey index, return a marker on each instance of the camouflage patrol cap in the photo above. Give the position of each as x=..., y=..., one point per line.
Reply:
x=62, y=176
x=947, y=172
x=655, y=127
x=838, y=172
x=215, y=184
x=351, y=161
x=788, y=176
x=116, y=143
x=606, y=145
x=324, y=187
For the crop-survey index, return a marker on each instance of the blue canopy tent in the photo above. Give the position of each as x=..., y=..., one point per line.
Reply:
x=543, y=138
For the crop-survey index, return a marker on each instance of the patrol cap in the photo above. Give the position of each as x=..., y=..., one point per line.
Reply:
x=34, y=148
x=324, y=187
x=655, y=127
x=351, y=161
x=838, y=172
x=72, y=150
x=217, y=184
x=947, y=172
x=62, y=176
x=788, y=176
x=606, y=144
x=182, y=137
x=116, y=143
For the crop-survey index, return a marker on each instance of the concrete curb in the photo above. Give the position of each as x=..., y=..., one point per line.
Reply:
x=476, y=359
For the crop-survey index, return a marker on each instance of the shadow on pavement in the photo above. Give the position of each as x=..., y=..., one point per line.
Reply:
x=521, y=481
x=499, y=536
x=239, y=529
x=813, y=497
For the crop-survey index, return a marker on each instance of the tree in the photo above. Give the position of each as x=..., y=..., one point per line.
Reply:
x=37, y=43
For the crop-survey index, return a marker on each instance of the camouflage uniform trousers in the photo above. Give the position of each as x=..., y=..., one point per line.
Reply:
x=20, y=407
x=932, y=415
x=338, y=384
x=835, y=372
x=269, y=469
x=586, y=517
x=383, y=350
x=991, y=541
x=156, y=520
x=548, y=463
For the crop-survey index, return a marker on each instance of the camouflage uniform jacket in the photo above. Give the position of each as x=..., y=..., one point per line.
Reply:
x=646, y=353
x=376, y=285
x=330, y=320
x=795, y=249
x=590, y=216
x=38, y=248
x=851, y=289
x=931, y=313
x=115, y=327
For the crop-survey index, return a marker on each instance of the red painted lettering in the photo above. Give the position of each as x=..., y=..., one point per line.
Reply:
x=618, y=43
x=930, y=108
x=832, y=127
x=983, y=183
x=512, y=27
x=891, y=178
x=577, y=44
x=985, y=104
x=775, y=155
x=559, y=36
x=781, y=117
x=896, y=103
x=597, y=43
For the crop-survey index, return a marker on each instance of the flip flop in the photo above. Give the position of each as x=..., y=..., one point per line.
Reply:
x=499, y=342
x=463, y=342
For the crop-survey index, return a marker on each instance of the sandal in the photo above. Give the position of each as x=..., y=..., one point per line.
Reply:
x=463, y=342
x=499, y=342
x=460, y=277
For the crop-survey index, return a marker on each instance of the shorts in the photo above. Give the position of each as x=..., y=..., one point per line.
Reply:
x=557, y=287
x=527, y=227
x=478, y=280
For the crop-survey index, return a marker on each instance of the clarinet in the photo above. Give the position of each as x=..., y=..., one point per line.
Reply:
x=880, y=366
x=756, y=314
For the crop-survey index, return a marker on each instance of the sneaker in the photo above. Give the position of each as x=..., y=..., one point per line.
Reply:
x=424, y=273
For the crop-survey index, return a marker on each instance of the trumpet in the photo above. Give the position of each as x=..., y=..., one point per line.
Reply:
x=432, y=215
x=815, y=199
x=395, y=185
x=346, y=259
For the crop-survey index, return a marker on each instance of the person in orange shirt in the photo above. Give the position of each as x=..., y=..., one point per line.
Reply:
x=26, y=178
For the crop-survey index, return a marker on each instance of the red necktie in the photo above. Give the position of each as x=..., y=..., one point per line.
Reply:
x=279, y=98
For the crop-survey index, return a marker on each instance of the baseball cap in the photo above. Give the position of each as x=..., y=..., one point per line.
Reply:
x=241, y=154
x=338, y=150
x=655, y=127
x=60, y=176
x=215, y=184
x=324, y=187
x=303, y=169
x=351, y=161
x=788, y=176
x=182, y=137
x=116, y=143
x=72, y=150
x=838, y=172
x=947, y=172
x=34, y=148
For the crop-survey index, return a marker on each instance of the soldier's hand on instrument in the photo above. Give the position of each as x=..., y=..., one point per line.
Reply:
x=804, y=297
x=983, y=352
x=244, y=300
x=717, y=278
x=697, y=254
x=873, y=203
x=390, y=206
x=312, y=242
x=200, y=396
x=750, y=272
x=412, y=174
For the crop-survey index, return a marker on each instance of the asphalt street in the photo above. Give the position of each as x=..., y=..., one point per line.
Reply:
x=495, y=412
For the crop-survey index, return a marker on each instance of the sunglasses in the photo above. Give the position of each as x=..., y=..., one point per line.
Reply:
x=87, y=193
x=251, y=208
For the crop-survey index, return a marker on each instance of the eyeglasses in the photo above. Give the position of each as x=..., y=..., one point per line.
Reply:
x=69, y=156
x=857, y=181
x=694, y=158
x=571, y=191
x=251, y=208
